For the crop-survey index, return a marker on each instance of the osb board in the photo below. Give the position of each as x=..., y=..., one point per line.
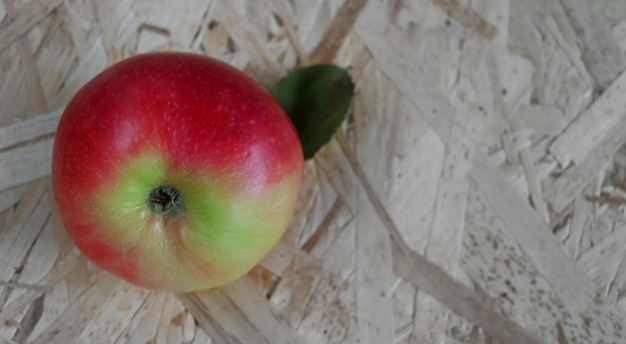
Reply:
x=475, y=194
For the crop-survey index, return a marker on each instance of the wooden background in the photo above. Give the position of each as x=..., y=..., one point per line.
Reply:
x=475, y=195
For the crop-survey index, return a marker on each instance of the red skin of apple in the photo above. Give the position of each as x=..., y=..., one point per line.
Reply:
x=186, y=121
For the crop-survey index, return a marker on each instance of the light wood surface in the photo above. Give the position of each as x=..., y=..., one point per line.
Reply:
x=475, y=195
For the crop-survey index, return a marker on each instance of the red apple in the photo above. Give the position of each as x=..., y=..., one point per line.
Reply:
x=175, y=171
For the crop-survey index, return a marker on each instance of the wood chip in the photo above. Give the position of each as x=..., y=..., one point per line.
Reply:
x=601, y=53
x=337, y=32
x=444, y=243
x=24, y=20
x=468, y=17
x=29, y=129
x=533, y=236
x=429, y=278
x=374, y=278
x=25, y=164
x=591, y=128
x=116, y=313
x=24, y=228
x=74, y=320
x=245, y=319
x=292, y=294
x=565, y=188
x=328, y=311
x=9, y=197
x=145, y=323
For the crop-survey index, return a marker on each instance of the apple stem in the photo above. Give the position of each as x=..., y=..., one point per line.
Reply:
x=166, y=200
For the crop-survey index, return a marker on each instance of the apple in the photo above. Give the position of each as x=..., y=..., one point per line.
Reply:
x=175, y=171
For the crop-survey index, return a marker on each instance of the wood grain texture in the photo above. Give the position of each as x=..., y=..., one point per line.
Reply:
x=475, y=194
x=24, y=20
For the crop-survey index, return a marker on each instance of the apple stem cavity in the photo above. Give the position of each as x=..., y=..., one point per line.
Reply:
x=165, y=200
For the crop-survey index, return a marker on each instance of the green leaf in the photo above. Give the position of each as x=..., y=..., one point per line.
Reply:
x=317, y=99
